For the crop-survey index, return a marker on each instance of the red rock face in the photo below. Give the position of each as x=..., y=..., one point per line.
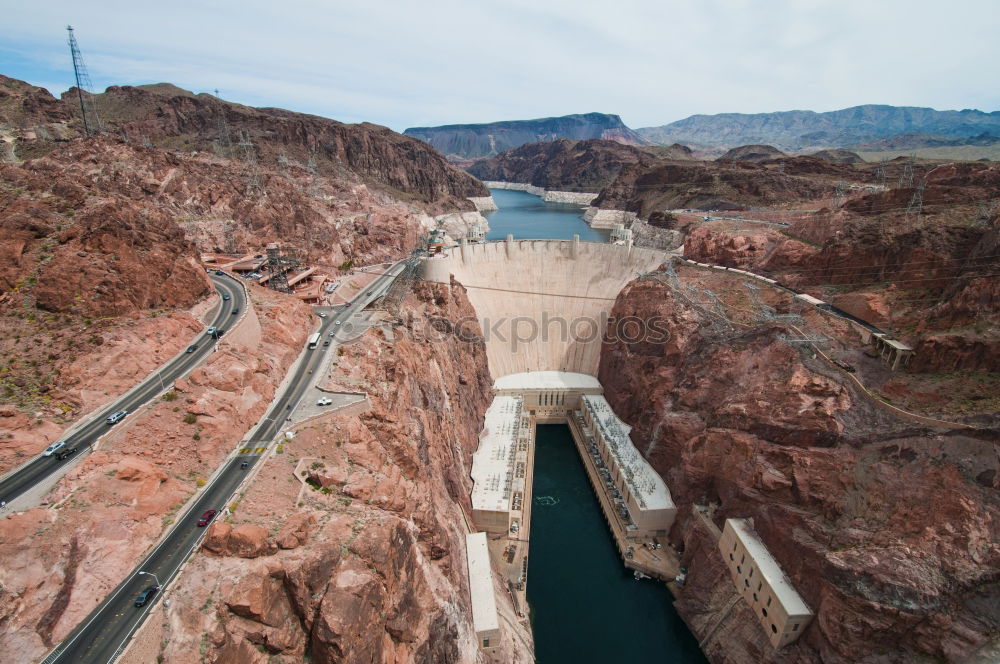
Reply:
x=173, y=118
x=366, y=563
x=889, y=534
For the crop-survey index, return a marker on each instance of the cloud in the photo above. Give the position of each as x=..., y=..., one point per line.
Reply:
x=449, y=61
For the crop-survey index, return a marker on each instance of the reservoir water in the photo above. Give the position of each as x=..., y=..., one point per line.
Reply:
x=528, y=217
x=585, y=605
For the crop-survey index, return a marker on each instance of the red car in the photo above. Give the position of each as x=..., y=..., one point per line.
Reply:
x=207, y=517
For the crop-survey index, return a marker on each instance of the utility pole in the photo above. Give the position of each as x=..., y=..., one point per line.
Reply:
x=88, y=108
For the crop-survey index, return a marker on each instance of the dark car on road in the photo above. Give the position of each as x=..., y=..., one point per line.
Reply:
x=219, y=273
x=236, y=311
x=207, y=517
x=225, y=296
x=191, y=349
x=66, y=452
x=146, y=595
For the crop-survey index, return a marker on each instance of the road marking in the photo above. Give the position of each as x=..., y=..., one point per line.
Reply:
x=259, y=450
x=244, y=450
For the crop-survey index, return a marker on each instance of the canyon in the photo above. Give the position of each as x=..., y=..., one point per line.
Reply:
x=347, y=544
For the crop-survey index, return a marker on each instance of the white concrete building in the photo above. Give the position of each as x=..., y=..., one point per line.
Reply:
x=494, y=463
x=644, y=502
x=485, y=618
x=759, y=578
x=548, y=395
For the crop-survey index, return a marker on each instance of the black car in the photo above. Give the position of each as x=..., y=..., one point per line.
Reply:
x=236, y=311
x=225, y=296
x=146, y=595
x=219, y=273
x=191, y=349
x=66, y=452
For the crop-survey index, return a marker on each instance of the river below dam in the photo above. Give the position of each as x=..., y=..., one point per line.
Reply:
x=528, y=217
x=585, y=605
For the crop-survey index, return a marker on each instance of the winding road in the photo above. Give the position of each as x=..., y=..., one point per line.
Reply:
x=42, y=467
x=104, y=633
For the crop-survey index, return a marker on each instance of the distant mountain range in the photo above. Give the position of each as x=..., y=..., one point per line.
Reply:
x=474, y=141
x=874, y=126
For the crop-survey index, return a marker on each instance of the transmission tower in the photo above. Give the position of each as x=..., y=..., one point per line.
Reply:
x=253, y=178
x=229, y=238
x=880, y=172
x=88, y=107
x=278, y=266
x=839, y=194
x=225, y=143
x=917, y=200
x=765, y=312
x=906, y=178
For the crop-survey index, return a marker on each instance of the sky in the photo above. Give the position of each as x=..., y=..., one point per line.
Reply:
x=408, y=63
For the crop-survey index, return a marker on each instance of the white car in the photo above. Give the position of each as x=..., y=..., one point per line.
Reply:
x=337, y=323
x=325, y=401
x=321, y=315
x=53, y=448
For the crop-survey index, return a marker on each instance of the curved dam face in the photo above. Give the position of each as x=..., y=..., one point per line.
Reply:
x=543, y=304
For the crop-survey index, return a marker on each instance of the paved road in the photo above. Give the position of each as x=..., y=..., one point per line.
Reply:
x=41, y=467
x=103, y=634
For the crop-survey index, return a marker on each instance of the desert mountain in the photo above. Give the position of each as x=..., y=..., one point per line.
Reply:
x=485, y=140
x=165, y=116
x=803, y=130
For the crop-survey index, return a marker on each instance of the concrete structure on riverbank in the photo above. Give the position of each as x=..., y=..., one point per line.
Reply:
x=642, y=501
x=635, y=500
x=485, y=618
x=759, y=578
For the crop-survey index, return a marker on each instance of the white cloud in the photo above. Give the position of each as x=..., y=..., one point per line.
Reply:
x=449, y=61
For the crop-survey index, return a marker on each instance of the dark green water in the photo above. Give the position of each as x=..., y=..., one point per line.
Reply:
x=528, y=217
x=585, y=606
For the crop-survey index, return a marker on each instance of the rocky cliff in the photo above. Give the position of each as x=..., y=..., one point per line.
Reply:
x=349, y=545
x=562, y=165
x=487, y=140
x=649, y=188
x=113, y=505
x=889, y=532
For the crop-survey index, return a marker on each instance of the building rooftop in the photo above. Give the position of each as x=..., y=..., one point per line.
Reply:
x=546, y=380
x=484, y=603
x=493, y=462
x=644, y=483
x=769, y=567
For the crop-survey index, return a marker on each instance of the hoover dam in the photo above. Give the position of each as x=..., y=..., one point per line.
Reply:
x=543, y=304
x=543, y=307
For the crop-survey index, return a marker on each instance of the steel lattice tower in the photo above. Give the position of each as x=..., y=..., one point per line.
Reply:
x=88, y=109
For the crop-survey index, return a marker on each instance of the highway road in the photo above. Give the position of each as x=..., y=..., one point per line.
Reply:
x=104, y=633
x=41, y=467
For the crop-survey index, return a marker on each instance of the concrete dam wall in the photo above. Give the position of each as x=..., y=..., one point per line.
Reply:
x=542, y=304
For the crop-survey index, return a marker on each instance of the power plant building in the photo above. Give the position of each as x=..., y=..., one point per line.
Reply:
x=494, y=465
x=758, y=577
x=644, y=503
